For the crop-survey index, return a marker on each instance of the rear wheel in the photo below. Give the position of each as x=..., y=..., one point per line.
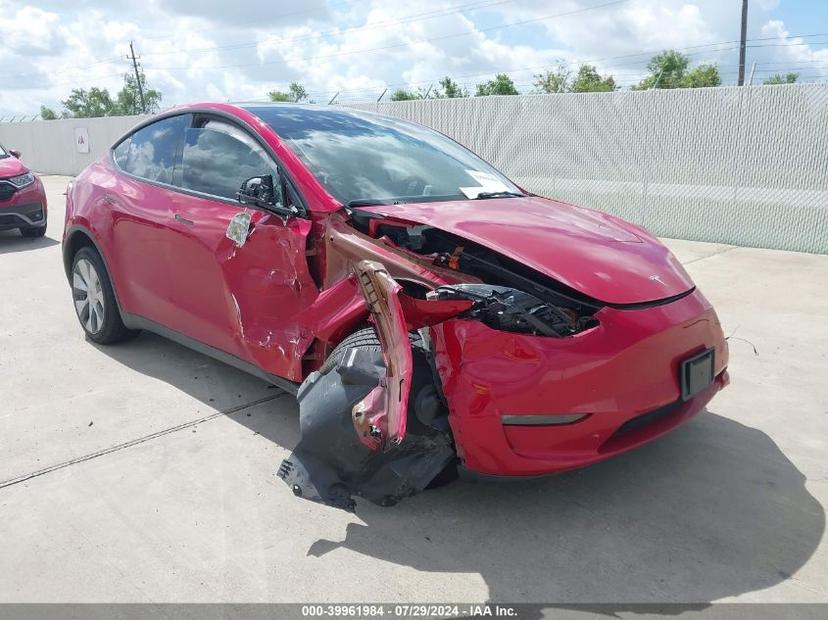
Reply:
x=94, y=299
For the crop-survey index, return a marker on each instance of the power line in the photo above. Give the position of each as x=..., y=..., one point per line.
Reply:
x=339, y=32
x=408, y=43
x=281, y=15
x=479, y=4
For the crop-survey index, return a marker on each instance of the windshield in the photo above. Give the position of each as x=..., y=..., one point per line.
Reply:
x=365, y=158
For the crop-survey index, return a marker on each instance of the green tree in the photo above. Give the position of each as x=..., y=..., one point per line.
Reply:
x=128, y=99
x=502, y=84
x=553, y=80
x=404, y=95
x=47, y=113
x=449, y=89
x=702, y=76
x=296, y=93
x=82, y=103
x=588, y=80
x=669, y=70
x=778, y=78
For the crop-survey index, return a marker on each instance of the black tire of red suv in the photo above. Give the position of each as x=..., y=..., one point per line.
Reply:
x=423, y=380
x=112, y=328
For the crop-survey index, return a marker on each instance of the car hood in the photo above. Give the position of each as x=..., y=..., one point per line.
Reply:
x=11, y=167
x=597, y=254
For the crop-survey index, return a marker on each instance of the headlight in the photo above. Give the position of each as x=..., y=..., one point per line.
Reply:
x=507, y=309
x=22, y=180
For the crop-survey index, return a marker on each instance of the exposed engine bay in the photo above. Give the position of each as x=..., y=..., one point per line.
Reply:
x=508, y=297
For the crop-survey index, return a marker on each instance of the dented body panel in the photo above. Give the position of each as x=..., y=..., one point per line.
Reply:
x=626, y=367
x=522, y=335
x=589, y=251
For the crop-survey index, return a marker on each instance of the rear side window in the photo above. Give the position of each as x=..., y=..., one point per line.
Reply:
x=219, y=156
x=151, y=152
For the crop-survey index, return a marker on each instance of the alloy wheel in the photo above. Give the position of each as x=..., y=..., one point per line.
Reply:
x=88, y=295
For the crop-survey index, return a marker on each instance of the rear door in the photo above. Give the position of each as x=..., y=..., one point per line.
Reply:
x=139, y=204
x=242, y=299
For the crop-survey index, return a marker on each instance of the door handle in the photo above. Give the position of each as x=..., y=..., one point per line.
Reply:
x=183, y=220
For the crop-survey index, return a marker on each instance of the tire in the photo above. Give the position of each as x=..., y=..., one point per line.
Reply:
x=422, y=389
x=100, y=319
x=366, y=338
x=33, y=233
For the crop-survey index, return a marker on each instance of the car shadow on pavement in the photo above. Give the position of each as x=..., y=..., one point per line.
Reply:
x=713, y=510
x=13, y=241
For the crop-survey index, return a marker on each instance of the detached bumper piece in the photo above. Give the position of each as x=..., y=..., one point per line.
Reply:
x=331, y=464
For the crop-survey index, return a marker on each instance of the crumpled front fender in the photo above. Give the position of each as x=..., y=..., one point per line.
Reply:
x=380, y=418
x=354, y=414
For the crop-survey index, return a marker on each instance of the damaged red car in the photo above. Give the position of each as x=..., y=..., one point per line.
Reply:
x=427, y=312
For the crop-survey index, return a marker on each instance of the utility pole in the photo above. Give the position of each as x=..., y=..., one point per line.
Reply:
x=742, y=43
x=752, y=71
x=138, y=77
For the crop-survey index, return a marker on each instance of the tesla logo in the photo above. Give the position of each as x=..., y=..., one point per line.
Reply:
x=656, y=278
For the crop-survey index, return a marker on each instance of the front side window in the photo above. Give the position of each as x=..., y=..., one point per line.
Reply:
x=150, y=152
x=363, y=158
x=219, y=156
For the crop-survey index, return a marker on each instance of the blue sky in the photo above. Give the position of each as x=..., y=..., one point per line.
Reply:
x=218, y=50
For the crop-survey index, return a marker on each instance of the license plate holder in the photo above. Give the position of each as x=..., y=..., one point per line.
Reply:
x=697, y=373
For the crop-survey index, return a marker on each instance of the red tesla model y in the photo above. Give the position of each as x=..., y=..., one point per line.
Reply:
x=427, y=312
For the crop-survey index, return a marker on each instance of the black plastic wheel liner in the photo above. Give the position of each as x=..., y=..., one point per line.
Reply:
x=330, y=464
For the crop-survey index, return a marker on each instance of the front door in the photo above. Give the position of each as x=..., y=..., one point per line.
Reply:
x=242, y=298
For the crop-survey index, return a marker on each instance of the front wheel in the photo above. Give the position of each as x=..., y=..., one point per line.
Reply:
x=94, y=299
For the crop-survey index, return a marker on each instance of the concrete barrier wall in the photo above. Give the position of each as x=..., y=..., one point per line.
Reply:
x=48, y=147
x=747, y=166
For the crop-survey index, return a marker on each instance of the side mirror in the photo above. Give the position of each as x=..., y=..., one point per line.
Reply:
x=259, y=192
x=15, y=153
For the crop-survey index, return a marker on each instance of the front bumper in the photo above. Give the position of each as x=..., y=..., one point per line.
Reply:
x=622, y=375
x=22, y=208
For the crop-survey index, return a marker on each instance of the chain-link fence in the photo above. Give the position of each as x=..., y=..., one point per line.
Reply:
x=746, y=165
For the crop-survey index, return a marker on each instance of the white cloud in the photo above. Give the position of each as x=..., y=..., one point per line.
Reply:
x=210, y=49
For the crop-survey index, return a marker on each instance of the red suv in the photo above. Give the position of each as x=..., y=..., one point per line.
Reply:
x=426, y=311
x=22, y=197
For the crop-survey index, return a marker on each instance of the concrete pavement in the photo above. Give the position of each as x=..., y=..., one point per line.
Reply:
x=145, y=472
